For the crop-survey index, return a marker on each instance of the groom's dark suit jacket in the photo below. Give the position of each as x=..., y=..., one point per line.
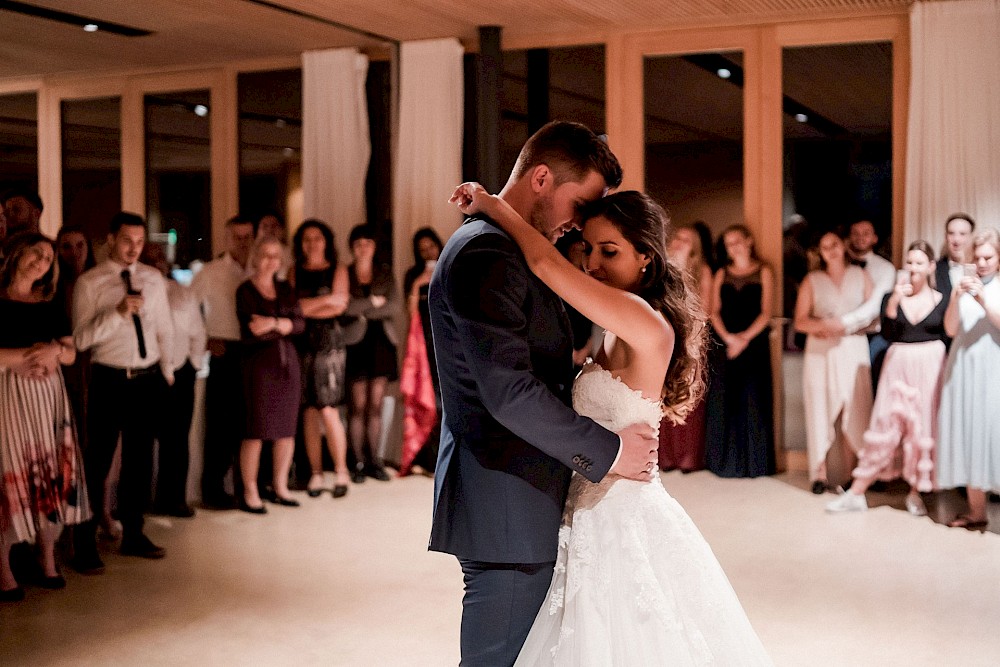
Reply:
x=509, y=440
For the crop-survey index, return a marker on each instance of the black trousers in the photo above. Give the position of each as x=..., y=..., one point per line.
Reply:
x=224, y=421
x=172, y=436
x=125, y=405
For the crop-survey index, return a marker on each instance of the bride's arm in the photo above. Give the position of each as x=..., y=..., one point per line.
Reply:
x=606, y=306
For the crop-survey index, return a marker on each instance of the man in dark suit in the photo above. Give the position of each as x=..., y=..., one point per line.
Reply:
x=510, y=442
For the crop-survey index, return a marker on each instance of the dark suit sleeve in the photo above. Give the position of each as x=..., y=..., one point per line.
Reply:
x=488, y=285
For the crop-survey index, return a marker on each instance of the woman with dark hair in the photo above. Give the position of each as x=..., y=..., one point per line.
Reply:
x=269, y=316
x=740, y=440
x=900, y=440
x=42, y=487
x=682, y=446
x=321, y=285
x=624, y=540
x=836, y=371
x=371, y=362
x=418, y=378
x=969, y=444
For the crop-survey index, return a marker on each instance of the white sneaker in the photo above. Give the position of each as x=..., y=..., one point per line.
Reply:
x=915, y=505
x=847, y=502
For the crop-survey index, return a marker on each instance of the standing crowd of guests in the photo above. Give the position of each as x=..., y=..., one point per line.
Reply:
x=97, y=378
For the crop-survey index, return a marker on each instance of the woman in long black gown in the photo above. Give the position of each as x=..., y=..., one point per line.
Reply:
x=740, y=434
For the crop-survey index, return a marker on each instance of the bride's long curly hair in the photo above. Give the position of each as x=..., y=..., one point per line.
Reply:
x=644, y=224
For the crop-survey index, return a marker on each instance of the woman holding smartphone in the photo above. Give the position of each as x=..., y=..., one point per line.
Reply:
x=904, y=415
x=969, y=453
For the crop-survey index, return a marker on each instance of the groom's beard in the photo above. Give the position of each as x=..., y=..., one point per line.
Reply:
x=541, y=213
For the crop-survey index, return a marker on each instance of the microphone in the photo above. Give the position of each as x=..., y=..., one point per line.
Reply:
x=127, y=277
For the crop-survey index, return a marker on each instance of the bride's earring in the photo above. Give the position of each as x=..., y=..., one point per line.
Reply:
x=644, y=269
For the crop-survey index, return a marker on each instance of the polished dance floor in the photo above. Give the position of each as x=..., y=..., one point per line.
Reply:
x=349, y=582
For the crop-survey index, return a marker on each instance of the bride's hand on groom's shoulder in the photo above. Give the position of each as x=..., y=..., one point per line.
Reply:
x=470, y=198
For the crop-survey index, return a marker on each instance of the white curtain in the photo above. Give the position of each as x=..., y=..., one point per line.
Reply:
x=335, y=139
x=429, y=146
x=953, y=147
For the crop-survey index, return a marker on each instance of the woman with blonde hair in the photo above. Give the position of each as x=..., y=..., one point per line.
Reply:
x=969, y=446
x=269, y=316
x=900, y=440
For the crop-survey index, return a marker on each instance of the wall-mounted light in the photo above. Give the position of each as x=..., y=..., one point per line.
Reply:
x=801, y=117
x=200, y=110
x=724, y=73
x=90, y=27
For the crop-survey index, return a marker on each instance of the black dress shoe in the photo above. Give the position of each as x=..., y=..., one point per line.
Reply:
x=284, y=502
x=314, y=493
x=141, y=547
x=253, y=510
x=819, y=487
x=339, y=491
x=87, y=563
x=358, y=474
x=376, y=471
x=13, y=595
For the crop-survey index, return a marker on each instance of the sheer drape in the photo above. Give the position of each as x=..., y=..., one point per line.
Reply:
x=953, y=148
x=335, y=139
x=429, y=147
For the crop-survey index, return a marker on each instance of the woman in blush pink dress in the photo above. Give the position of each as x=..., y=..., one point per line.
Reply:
x=900, y=440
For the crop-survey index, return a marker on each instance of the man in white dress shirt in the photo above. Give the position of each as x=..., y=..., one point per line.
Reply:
x=121, y=314
x=214, y=289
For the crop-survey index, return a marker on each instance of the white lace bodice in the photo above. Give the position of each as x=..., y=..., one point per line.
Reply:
x=610, y=402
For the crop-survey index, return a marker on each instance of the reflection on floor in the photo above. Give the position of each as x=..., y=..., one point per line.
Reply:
x=349, y=582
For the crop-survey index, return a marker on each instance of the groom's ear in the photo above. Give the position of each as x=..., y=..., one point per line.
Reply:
x=540, y=175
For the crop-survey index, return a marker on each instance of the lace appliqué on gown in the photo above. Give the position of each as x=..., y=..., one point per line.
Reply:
x=634, y=583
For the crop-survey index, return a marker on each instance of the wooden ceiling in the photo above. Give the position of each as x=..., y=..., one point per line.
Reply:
x=188, y=33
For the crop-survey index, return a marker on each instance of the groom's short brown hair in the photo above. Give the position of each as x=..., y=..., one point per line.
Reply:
x=570, y=150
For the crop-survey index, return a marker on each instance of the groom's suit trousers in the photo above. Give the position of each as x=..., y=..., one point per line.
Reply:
x=499, y=607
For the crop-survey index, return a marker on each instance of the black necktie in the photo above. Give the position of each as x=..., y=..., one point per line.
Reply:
x=858, y=262
x=127, y=277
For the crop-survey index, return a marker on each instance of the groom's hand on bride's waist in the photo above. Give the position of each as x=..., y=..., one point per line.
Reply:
x=637, y=458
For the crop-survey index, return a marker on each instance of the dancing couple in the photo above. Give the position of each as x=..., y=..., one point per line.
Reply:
x=572, y=551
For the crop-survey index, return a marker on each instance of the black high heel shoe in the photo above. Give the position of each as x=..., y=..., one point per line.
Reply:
x=253, y=510
x=285, y=502
x=339, y=491
x=819, y=487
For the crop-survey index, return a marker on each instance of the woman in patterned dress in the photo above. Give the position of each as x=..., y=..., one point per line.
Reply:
x=41, y=471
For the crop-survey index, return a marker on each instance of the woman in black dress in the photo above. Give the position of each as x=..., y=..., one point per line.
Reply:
x=322, y=288
x=740, y=434
x=42, y=487
x=371, y=363
x=269, y=316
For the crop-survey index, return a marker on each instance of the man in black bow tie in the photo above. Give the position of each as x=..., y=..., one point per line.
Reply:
x=121, y=314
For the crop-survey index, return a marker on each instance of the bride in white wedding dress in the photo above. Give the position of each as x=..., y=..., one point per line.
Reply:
x=635, y=583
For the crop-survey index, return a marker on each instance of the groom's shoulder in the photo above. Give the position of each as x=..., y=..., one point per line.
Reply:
x=479, y=235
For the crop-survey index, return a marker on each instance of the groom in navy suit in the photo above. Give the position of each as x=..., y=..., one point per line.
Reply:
x=509, y=440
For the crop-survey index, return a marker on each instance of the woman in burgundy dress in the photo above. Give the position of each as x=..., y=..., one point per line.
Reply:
x=269, y=316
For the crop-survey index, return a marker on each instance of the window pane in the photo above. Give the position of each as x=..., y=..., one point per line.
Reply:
x=91, y=164
x=178, y=174
x=19, y=141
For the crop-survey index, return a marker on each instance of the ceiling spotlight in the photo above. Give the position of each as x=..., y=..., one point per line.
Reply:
x=723, y=73
x=280, y=122
x=90, y=27
x=288, y=151
x=200, y=110
x=801, y=117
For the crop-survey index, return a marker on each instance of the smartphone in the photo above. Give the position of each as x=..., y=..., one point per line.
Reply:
x=969, y=271
x=903, y=277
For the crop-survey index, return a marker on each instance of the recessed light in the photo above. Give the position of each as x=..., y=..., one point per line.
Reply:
x=200, y=110
x=90, y=27
x=801, y=117
x=287, y=151
x=724, y=73
x=280, y=122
